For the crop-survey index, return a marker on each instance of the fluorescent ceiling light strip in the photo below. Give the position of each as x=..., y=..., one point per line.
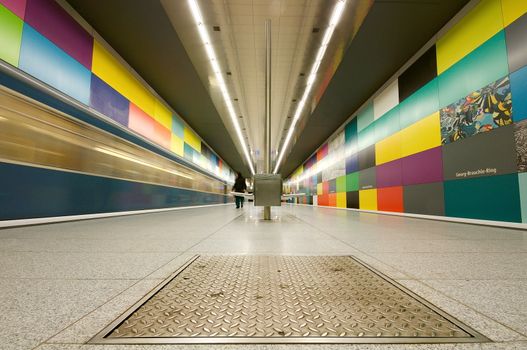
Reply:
x=334, y=19
x=204, y=35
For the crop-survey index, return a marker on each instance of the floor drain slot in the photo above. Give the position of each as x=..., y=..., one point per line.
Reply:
x=283, y=299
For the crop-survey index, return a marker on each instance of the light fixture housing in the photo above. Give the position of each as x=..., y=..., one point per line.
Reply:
x=211, y=54
x=334, y=19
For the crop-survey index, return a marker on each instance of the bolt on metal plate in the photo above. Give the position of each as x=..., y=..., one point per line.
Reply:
x=282, y=299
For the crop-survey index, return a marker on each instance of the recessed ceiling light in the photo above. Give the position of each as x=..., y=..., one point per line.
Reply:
x=316, y=30
x=228, y=73
x=216, y=28
x=302, y=74
x=294, y=100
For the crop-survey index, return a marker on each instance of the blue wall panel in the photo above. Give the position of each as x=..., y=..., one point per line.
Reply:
x=45, y=61
x=178, y=127
x=30, y=192
x=519, y=94
x=108, y=101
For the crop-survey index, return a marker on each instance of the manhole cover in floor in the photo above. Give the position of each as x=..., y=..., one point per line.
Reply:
x=283, y=299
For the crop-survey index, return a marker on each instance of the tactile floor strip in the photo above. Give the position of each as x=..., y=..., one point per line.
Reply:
x=283, y=299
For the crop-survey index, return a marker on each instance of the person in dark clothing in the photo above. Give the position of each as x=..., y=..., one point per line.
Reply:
x=239, y=186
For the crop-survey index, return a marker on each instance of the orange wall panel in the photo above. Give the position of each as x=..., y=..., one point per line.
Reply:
x=390, y=199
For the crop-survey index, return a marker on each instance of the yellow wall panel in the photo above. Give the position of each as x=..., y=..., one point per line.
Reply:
x=192, y=139
x=320, y=189
x=162, y=114
x=388, y=149
x=176, y=145
x=341, y=200
x=512, y=10
x=420, y=136
x=480, y=24
x=109, y=69
x=368, y=199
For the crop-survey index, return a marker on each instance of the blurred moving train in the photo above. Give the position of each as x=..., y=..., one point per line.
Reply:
x=52, y=164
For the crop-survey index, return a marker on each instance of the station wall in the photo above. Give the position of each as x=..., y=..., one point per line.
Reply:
x=40, y=38
x=447, y=137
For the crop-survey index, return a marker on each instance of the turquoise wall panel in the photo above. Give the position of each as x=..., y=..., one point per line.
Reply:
x=350, y=131
x=388, y=124
x=365, y=117
x=519, y=94
x=488, y=198
x=367, y=137
x=420, y=104
x=178, y=127
x=522, y=179
x=45, y=61
x=481, y=67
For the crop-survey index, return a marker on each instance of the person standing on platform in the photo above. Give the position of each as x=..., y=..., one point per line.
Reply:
x=239, y=186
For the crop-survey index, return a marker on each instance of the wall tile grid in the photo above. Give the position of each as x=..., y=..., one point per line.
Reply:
x=40, y=38
x=448, y=137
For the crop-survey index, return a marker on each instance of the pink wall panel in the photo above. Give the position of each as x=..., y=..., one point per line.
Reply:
x=18, y=7
x=141, y=122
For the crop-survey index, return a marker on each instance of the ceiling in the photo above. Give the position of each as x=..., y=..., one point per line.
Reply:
x=160, y=40
x=237, y=32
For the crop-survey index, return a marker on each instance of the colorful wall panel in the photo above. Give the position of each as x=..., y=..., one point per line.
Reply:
x=386, y=100
x=17, y=7
x=516, y=50
x=53, y=22
x=40, y=38
x=423, y=70
x=10, y=36
x=455, y=141
x=474, y=29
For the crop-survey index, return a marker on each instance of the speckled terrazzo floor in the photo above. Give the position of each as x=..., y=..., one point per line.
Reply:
x=61, y=284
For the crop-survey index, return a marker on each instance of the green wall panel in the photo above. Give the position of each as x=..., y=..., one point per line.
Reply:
x=522, y=179
x=365, y=117
x=388, y=124
x=352, y=182
x=487, y=198
x=10, y=36
x=341, y=184
x=481, y=67
x=420, y=104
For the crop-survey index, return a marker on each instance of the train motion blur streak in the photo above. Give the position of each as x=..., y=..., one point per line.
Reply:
x=34, y=134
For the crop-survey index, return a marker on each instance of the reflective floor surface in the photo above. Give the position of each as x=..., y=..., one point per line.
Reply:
x=61, y=284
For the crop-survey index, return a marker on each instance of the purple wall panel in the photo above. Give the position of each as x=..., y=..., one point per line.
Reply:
x=390, y=174
x=424, y=167
x=108, y=101
x=18, y=7
x=52, y=21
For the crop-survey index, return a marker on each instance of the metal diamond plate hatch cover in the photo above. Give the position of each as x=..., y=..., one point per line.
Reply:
x=282, y=299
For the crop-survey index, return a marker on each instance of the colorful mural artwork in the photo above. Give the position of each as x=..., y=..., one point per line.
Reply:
x=454, y=145
x=482, y=110
x=40, y=38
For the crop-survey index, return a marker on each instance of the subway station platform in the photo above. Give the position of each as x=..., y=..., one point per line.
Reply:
x=62, y=284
